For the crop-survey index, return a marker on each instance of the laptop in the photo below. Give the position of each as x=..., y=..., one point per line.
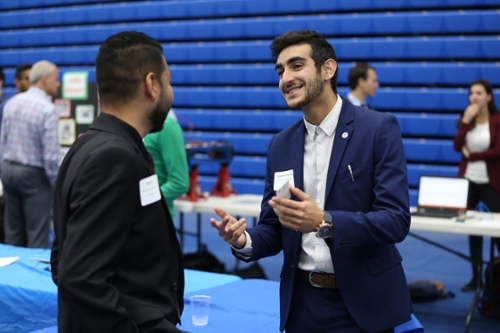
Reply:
x=441, y=196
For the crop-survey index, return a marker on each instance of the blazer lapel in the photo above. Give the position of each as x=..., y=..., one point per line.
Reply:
x=297, y=155
x=342, y=137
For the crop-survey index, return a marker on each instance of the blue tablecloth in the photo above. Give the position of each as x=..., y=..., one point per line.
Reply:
x=28, y=297
x=246, y=306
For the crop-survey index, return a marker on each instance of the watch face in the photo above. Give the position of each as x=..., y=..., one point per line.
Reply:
x=325, y=232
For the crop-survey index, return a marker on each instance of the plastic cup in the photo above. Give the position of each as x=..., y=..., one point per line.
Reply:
x=200, y=305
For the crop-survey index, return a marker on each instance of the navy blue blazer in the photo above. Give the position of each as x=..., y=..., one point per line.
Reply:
x=370, y=215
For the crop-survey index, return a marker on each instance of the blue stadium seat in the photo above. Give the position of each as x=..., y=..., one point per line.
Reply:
x=413, y=197
x=417, y=170
x=240, y=166
x=416, y=150
x=9, y=92
x=367, y=48
x=173, y=9
x=41, y=3
x=268, y=27
x=430, y=150
x=246, y=120
x=389, y=73
x=397, y=99
x=424, y=124
x=241, y=185
x=254, y=144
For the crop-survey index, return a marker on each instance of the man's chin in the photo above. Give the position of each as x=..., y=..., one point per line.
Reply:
x=294, y=105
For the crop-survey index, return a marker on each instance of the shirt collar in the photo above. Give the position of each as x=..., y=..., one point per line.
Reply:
x=112, y=124
x=329, y=124
x=37, y=91
x=354, y=100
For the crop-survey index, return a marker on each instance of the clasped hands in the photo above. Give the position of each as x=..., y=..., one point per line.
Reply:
x=304, y=216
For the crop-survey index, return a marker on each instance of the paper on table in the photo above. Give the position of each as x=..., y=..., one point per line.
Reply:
x=5, y=261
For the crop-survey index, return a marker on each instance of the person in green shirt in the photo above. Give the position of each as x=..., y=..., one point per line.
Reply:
x=169, y=157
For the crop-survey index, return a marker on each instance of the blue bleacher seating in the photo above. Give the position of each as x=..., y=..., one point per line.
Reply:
x=151, y=10
x=255, y=167
x=243, y=143
x=425, y=124
x=412, y=124
x=389, y=73
x=430, y=150
x=268, y=27
x=417, y=170
x=246, y=120
x=441, y=99
x=469, y=47
x=241, y=185
x=425, y=150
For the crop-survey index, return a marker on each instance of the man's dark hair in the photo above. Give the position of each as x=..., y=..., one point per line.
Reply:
x=2, y=75
x=123, y=61
x=321, y=50
x=360, y=70
x=20, y=69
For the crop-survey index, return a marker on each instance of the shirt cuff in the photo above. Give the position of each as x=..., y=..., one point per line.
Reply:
x=246, y=251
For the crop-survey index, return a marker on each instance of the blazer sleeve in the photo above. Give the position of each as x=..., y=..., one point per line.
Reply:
x=103, y=205
x=268, y=233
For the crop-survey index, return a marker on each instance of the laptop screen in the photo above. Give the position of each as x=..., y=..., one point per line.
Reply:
x=443, y=192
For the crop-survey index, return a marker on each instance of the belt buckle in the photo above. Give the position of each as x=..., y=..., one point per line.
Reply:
x=311, y=281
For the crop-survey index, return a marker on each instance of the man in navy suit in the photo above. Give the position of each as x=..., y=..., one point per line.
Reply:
x=349, y=203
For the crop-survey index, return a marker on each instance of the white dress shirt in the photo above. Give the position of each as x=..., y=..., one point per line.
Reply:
x=318, y=144
x=477, y=140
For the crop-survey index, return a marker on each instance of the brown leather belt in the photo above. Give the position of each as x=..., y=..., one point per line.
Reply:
x=319, y=280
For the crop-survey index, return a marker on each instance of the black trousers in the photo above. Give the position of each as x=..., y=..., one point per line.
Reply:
x=319, y=310
x=491, y=198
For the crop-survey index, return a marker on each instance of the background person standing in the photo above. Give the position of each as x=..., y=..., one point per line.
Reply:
x=29, y=155
x=478, y=138
x=170, y=160
x=363, y=83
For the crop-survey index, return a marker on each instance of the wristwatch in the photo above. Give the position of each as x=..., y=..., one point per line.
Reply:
x=326, y=227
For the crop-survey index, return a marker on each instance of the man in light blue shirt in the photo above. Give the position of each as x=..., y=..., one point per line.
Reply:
x=363, y=83
x=29, y=155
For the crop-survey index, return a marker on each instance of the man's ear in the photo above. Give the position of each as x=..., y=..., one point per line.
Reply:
x=329, y=69
x=150, y=88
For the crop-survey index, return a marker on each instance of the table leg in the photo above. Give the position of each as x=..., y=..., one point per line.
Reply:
x=476, y=298
x=198, y=230
x=479, y=286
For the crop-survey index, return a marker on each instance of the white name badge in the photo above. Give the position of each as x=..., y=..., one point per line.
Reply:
x=280, y=178
x=150, y=190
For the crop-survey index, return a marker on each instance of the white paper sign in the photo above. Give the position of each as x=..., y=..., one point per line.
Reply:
x=284, y=191
x=150, y=190
x=84, y=114
x=75, y=85
x=280, y=178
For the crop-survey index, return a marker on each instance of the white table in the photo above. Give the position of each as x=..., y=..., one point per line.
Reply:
x=476, y=224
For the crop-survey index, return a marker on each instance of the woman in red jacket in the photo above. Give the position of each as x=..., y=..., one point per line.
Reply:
x=478, y=138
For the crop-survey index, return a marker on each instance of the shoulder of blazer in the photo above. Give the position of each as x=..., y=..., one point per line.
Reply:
x=290, y=130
